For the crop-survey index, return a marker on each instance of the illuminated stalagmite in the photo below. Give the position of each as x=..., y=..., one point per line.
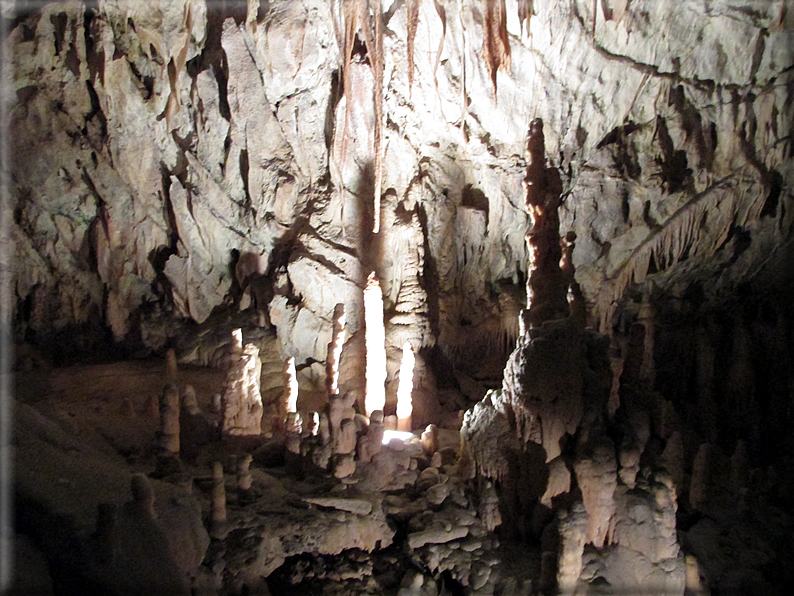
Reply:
x=289, y=399
x=335, y=350
x=376, y=346
x=405, y=389
x=241, y=403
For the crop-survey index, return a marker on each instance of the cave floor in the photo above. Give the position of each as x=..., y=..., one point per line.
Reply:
x=82, y=431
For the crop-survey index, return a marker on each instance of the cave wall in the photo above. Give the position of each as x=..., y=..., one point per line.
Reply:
x=170, y=165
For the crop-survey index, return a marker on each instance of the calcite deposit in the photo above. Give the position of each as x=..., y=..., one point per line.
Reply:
x=241, y=403
x=576, y=214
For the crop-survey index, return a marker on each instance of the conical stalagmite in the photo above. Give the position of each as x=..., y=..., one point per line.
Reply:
x=218, y=502
x=335, y=350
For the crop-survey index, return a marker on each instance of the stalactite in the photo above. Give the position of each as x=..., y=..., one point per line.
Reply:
x=377, y=67
x=356, y=15
x=413, y=22
x=684, y=233
x=524, y=13
x=496, y=41
x=619, y=10
x=442, y=14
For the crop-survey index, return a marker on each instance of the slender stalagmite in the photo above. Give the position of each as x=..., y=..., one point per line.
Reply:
x=405, y=389
x=376, y=346
x=335, y=350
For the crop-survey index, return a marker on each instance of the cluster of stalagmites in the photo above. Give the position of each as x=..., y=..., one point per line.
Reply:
x=354, y=488
x=561, y=457
x=569, y=458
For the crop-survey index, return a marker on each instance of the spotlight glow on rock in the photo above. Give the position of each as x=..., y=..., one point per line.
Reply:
x=405, y=389
x=404, y=436
x=375, y=398
x=292, y=386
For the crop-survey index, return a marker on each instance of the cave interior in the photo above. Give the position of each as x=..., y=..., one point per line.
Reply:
x=398, y=297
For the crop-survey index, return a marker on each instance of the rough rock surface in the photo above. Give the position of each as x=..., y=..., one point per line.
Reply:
x=201, y=151
x=179, y=171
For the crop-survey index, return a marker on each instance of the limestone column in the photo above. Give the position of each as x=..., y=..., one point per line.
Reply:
x=546, y=287
x=335, y=350
x=241, y=403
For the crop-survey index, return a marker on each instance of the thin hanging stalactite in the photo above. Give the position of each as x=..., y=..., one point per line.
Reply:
x=377, y=66
x=356, y=15
x=442, y=14
x=413, y=22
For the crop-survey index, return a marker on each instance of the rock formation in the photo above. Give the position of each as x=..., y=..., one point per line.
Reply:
x=547, y=289
x=179, y=171
x=169, y=419
x=218, y=527
x=549, y=426
x=335, y=350
x=241, y=403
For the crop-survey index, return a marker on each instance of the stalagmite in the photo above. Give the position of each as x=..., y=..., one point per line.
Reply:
x=218, y=502
x=430, y=439
x=405, y=389
x=375, y=337
x=142, y=494
x=293, y=428
x=345, y=449
x=376, y=430
x=195, y=429
x=573, y=536
x=189, y=401
x=699, y=484
x=241, y=403
x=289, y=399
x=489, y=507
x=337, y=411
x=347, y=437
x=312, y=427
x=547, y=289
x=335, y=350
x=171, y=368
x=345, y=465
x=169, y=419
x=244, y=473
